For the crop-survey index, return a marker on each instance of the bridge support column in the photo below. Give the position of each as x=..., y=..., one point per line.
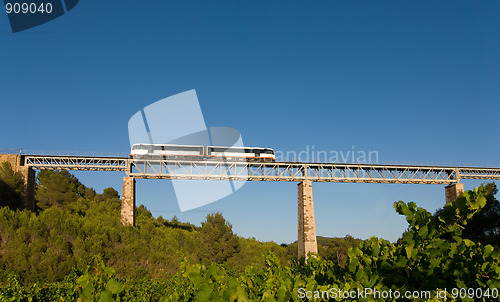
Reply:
x=453, y=191
x=29, y=187
x=28, y=174
x=307, y=227
x=128, y=201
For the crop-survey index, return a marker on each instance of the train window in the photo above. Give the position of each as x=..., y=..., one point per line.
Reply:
x=241, y=150
x=228, y=149
x=193, y=148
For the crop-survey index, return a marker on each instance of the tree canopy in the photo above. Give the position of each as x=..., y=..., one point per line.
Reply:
x=57, y=188
x=484, y=226
x=11, y=187
x=74, y=225
x=219, y=241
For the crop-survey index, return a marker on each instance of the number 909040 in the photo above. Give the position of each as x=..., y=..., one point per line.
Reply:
x=28, y=8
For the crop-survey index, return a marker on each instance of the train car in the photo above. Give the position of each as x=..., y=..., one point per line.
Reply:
x=241, y=153
x=192, y=152
x=153, y=151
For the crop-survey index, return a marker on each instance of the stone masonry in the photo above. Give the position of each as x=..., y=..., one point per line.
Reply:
x=307, y=227
x=128, y=201
x=28, y=174
x=453, y=192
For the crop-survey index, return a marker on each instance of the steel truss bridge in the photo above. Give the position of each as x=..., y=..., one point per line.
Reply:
x=264, y=171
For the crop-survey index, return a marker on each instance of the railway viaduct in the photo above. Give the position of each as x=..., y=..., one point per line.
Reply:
x=302, y=173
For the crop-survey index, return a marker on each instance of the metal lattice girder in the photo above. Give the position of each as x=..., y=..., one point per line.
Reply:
x=479, y=173
x=268, y=171
x=88, y=163
x=291, y=172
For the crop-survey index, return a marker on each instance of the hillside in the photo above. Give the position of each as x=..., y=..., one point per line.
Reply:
x=75, y=225
x=74, y=247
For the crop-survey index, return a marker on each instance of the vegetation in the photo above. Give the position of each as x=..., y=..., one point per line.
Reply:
x=75, y=225
x=75, y=248
x=60, y=188
x=219, y=242
x=484, y=227
x=334, y=249
x=11, y=187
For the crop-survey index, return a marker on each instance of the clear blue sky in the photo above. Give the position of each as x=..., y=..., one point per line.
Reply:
x=417, y=81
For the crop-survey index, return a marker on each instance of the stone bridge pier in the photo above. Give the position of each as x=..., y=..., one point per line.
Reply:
x=453, y=191
x=28, y=174
x=307, y=226
x=128, y=201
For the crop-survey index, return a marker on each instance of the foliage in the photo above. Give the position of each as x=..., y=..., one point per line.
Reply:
x=484, y=227
x=58, y=188
x=219, y=241
x=336, y=249
x=98, y=283
x=175, y=223
x=54, y=291
x=47, y=246
x=80, y=251
x=11, y=187
x=108, y=193
x=432, y=254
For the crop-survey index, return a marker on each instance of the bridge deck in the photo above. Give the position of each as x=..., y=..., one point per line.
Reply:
x=87, y=163
x=256, y=171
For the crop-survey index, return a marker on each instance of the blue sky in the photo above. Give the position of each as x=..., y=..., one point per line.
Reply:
x=417, y=81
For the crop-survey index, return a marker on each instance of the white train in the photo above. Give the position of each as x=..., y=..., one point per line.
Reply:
x=190, y=152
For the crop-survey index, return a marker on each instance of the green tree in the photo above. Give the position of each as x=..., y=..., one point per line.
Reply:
x=336, y=249
x=110, y=193
x=219, y=241
x=57, y=188
x=11, y=187
x=484, y=227
x=432, y=253
x=107, y=194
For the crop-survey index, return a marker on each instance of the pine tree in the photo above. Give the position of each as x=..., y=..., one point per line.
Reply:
x=11, y=187
x=220, y=242
x=56, y=188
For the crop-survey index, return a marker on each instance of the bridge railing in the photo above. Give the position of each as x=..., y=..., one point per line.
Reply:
x=10, y=151
x=88, y=163
x=75, y=153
